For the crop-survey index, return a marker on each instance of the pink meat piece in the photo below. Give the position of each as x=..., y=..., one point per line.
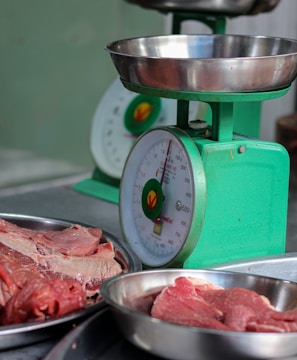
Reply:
x=245, y=310
x=7, y=285
x=89, y=270
x=15, y=270
x=180, y=303
x=105, y=250
x=42, y=298
x=226, y=299
x=198, y=303
x=74, y=240
x=270, y=325
x=7, y=226
x=237, y=317
x=275, y=321
x=289, y=315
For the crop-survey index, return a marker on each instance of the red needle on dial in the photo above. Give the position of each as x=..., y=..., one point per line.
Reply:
x=165, y=163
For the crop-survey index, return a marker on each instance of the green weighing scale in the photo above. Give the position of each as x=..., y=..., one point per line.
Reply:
x=194, y=194
x=117, y=123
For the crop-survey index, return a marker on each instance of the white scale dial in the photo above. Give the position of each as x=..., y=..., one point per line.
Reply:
x=158, y=195
x=111, y=136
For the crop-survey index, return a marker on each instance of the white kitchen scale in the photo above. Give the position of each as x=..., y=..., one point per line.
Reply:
x=121, y=116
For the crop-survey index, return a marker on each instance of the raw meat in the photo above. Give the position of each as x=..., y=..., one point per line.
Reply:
x=50, y=273
x=181, y=304
x=196, y=302
x=75, y=240
x=42, y=298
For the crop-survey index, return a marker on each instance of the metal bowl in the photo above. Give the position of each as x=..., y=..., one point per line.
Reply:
x=12, y=336
x=228, y=7
x=206, y=63
x=125, y=295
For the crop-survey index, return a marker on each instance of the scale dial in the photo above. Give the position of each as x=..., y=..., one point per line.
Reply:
x=121, y=116
x=163, y=197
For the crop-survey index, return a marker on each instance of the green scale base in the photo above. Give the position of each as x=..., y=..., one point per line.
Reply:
x=99, y=186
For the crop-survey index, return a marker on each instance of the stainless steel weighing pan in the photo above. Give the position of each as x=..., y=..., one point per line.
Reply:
x=206, y=63
x=229, y=7
x=174, y=341
x=23, y=334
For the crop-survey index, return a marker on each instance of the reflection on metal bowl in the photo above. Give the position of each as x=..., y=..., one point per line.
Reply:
x=206, y=63
x=229, y=7
x=124, y=293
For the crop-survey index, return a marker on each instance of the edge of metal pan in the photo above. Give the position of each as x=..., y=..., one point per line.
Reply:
x=283, y=266
x=233, y=7
x=222, y=63
x=87, y=341
x=31, y=332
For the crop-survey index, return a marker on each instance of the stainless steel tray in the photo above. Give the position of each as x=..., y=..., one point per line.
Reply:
x=282, y=266
x=28, y=333
x=228, y=7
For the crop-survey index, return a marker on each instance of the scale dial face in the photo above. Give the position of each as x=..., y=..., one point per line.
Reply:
x=163, y=197
x=121, y=116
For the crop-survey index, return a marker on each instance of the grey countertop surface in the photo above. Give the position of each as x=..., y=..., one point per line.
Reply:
x=61, y=202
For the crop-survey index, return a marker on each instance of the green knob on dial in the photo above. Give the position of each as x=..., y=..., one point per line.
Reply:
x=152, y=200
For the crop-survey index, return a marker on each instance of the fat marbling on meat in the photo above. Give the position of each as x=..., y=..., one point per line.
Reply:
x=50, y=273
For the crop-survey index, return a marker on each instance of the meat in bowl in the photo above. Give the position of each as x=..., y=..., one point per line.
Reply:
x=132, y=297
x=197, y=302
x=47, y=274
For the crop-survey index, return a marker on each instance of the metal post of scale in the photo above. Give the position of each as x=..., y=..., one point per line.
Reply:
x=247, y=115
x=216, y=23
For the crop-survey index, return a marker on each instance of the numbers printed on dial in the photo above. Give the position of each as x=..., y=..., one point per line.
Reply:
x=158, y=197
x=166, y=236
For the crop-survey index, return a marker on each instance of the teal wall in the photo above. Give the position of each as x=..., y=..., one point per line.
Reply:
x=54, y=69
